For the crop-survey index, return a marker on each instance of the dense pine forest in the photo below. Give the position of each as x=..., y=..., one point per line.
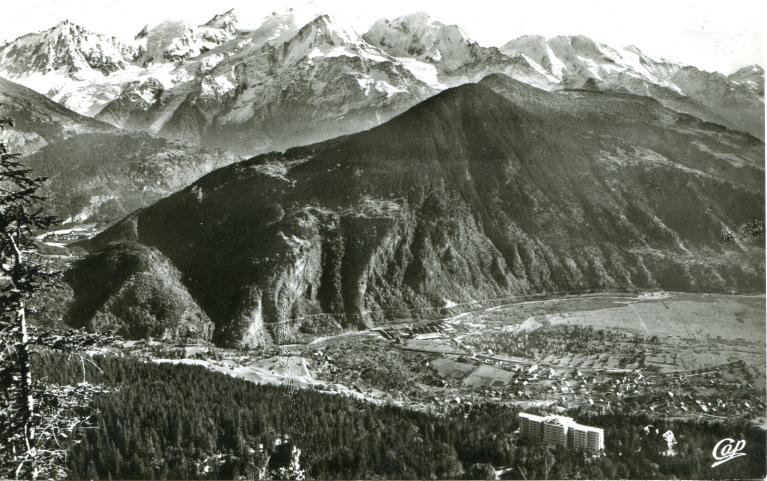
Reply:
x=184, y=422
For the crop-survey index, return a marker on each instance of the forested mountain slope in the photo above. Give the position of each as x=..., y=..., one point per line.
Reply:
x=469, y=195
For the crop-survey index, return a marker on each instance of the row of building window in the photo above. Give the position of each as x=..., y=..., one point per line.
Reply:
x=561, y=430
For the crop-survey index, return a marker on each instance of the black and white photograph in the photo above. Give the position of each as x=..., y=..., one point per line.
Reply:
x=408, y=240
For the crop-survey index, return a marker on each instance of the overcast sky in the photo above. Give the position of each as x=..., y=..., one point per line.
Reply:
x=711, y=34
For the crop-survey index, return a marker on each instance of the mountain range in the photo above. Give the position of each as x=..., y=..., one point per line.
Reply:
x=391, y=174
x=39, y=121
x=299, y=78
x=97, y=173
x=482, y=191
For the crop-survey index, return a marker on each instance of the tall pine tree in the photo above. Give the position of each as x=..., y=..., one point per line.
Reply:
x=34, y=417
x=22, y=277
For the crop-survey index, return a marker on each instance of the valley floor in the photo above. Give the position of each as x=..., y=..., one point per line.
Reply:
x=665, y=355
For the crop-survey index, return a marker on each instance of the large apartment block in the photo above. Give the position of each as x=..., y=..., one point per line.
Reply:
x=561, y=430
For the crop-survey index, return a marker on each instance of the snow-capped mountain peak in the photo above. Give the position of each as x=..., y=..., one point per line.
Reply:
x=326, y=37
x=168, y=41
x=418, y=35
x=226, y=21
x=536, y=48
x=274, y=29
x=751, y=76
x=173, y=41
x=143, y=33
x=296, y=67
x=326, y=29
x=748, y=70
x=573, y=58
x=66, y=48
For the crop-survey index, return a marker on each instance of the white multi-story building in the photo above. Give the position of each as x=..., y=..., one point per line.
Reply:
x=561, y=430
x=530, y=426
x=555, y=430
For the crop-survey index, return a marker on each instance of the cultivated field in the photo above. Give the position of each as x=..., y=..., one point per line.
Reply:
x=669, y=354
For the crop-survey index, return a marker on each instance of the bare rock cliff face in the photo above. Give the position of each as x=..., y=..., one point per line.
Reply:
x=468, y=196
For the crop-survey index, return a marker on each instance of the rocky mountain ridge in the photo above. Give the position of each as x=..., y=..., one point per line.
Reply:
x=482, y=191
x=288, y=82
x=39, y=121
x=96, y=172
x=252, y=91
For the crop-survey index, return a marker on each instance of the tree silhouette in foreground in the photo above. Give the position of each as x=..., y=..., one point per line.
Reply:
x=36, y=420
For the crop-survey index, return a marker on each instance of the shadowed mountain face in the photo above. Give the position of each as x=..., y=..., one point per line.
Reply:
x=472, y=194
x=134, y=291
x=604, y=117
x=97, y=173
x=103, y=177
x=38, y=120
x=738, y=98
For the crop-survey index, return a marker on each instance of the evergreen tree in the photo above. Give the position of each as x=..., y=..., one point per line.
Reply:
x=22, y=277
x=33, y=416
